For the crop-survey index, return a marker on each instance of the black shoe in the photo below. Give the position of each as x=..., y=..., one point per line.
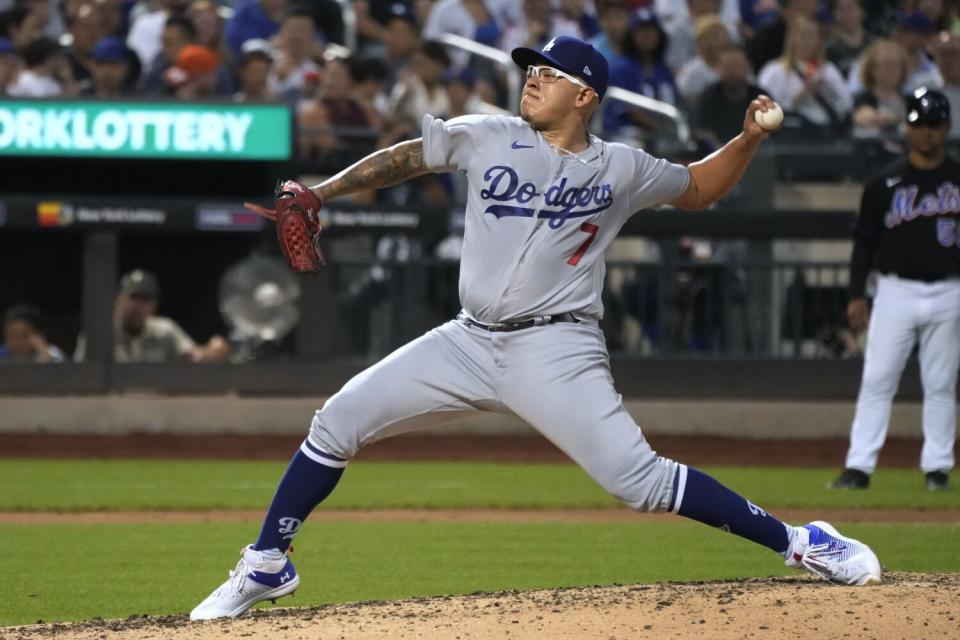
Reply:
x=851, y=479
x=937, y=481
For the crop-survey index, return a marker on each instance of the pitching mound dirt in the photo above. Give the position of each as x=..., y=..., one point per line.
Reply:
x=907, y=605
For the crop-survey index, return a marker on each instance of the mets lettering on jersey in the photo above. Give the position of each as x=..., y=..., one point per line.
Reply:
x=503, y=185
x=904, y=206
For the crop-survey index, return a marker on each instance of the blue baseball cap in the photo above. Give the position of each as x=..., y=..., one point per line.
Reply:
x=402, y=11
x=463, y=76
x=6, y=46
x=572, y=55
x=642, y=17
x=110, y=50
x=915, y=21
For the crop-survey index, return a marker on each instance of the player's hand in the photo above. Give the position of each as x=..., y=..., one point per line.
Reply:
x=750, y=126
x=858, y=314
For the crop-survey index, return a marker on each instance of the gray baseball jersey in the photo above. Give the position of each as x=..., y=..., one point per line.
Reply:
x=538, y=222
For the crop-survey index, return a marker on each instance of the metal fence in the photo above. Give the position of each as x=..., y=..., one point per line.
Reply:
x=687, y=307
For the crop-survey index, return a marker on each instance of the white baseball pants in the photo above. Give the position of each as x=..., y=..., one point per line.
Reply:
x=555, y=377
x=904, y=312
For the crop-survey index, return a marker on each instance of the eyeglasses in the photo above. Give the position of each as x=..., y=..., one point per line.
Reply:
x=550, y=74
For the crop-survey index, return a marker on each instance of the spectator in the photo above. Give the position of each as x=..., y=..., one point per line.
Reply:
x=142, y=336
x=46, y=72
x=682, y=17
x=296, y=52
x=208, y=27
x=914, y=31
x=110, y=65
x=952, y=17
x=370, y=84
x=320, y=118
x=755, y=15
x=418, y=91
x=614, y=17
x=18, y=25
x=700, y=72
x=641, y=69
x=178, y=32
x=581, y=13
x=805, y=83
x=673, y=13
x=253, y=70
x=328, y=16
x=462, y=97
x=254, y=19
x=11, y=20
x=539, y=25
x=848, y=36
x=23, y=339
x=720, y=108
x=114, y=16
x=947, y=54
x=148, y=30
x=879, y=109
x=195, y=74
x=936, y=12
x=401, y=38
x=880, y=16
x=769, y=41
x=472, y=19
x=43, y=18
x=372, y=20
x=85, y=29
x=9, y=64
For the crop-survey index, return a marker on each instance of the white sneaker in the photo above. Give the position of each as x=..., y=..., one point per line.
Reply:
x=820, y=549
x=258, y=577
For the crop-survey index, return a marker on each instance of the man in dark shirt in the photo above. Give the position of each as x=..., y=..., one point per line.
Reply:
x=909, y=232
x=721, y=105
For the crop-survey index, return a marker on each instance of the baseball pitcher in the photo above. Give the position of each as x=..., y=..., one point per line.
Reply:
x=545, y=201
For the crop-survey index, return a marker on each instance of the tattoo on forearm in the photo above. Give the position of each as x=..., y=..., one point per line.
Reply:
x=382, y=169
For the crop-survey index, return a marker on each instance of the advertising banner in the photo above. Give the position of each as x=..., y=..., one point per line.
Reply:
x=145, y=130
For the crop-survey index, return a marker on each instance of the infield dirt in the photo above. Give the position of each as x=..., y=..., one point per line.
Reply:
x=907, y=605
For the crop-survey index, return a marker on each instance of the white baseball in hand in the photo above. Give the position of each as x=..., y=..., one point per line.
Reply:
x=769, y=119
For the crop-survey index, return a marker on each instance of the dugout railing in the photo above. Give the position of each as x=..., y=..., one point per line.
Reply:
x=743, y=322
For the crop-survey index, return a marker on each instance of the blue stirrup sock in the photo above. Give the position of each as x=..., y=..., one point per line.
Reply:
x=310, y=477
x=699, y=497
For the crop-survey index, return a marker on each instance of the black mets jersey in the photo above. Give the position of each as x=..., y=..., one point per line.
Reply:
x=909, y=225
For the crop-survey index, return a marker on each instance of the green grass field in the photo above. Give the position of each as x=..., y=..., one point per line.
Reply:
x=197, y=485
x=71, y=572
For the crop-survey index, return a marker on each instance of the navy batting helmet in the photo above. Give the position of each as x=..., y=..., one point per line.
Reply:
x=927, y=106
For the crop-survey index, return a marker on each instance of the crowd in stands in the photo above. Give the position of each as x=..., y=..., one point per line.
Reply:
x=836, y=66
x=839, y=68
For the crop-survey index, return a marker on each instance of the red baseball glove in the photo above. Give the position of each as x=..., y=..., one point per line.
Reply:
x=296, y=210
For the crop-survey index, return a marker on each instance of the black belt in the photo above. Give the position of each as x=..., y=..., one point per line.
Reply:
x=539, y=321
x=926, y=278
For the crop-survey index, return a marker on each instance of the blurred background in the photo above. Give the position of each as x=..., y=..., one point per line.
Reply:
x=131, y=131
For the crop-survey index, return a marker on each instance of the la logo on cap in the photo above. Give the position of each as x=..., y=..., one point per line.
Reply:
x=549, y=45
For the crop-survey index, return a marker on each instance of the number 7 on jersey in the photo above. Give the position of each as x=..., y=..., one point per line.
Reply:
x=586, y=227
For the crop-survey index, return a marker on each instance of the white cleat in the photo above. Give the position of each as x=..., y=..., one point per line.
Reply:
x=259, y=576
x=820, y=549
